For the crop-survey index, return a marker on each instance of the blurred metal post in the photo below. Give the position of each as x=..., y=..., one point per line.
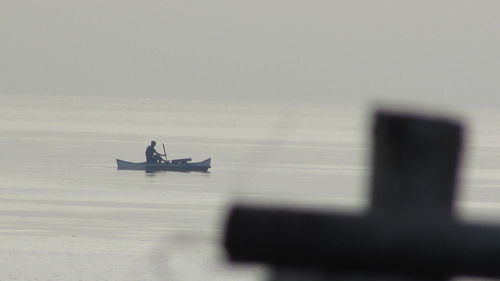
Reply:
x=415, y=162
x=409, y=233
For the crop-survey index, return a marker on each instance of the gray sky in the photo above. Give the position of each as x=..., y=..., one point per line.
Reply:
x=320, y=51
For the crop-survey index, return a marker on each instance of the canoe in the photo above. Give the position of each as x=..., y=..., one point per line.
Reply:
x=182, y=165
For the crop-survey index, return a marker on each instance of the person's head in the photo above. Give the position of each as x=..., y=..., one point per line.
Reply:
x=153, y=143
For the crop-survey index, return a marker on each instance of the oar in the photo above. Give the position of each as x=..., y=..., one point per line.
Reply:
x=164, y=152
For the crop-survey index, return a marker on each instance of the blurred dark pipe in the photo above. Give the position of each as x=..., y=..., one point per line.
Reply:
x=362, y=244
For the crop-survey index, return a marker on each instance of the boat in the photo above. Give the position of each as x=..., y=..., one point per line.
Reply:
x=182, y=165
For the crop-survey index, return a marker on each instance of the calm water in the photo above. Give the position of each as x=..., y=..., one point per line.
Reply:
x=67, y=214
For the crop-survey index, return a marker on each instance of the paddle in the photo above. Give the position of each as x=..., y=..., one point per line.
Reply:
x=165, y=152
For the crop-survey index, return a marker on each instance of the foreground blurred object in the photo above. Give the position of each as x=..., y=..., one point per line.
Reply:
x=409, y=233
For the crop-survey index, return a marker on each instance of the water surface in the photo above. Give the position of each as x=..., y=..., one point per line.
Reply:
x=67, y=214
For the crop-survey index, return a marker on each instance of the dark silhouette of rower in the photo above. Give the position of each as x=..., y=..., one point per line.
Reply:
x=152, y=156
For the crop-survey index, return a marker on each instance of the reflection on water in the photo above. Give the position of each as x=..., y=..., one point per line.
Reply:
x=151, y=173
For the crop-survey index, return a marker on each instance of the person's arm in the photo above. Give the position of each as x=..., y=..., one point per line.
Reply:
x=157, y=153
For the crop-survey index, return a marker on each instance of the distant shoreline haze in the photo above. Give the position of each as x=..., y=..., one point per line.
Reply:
x=349, y=52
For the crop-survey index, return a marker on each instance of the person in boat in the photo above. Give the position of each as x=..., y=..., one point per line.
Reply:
x=152, y=156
